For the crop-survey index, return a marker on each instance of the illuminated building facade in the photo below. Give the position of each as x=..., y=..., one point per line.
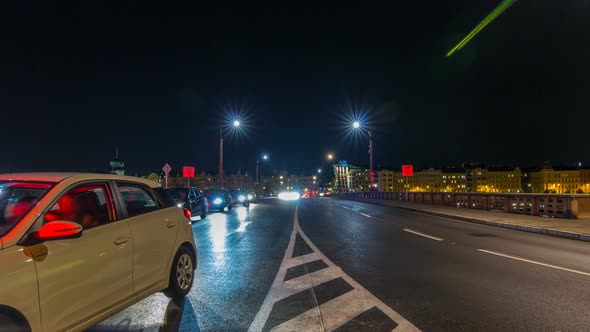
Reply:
x=585, y=180
x=390, y=181
x=348, y=177
x=497, y=180
x=557, y=181
x=427, y=180
x=454, y=180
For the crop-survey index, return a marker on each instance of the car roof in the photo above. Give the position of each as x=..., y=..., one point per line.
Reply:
x=58, y=177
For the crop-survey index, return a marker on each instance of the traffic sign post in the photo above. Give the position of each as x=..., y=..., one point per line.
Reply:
x=188, y=172
x=166, y=170
x=407, y=171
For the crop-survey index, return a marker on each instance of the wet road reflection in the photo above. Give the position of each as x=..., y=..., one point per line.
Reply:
x=218, y=231
x=156, y=313
x=239, y=253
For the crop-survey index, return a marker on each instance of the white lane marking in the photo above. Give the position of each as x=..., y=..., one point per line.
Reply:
x=335, y=312
x=533, y=262
x=423, y=234
x=296, y=261
x=366, y=215
x=346, y=207
x=317, y=317
x=296, y=285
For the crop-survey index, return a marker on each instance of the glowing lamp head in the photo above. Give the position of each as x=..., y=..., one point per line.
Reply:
x=356, y=124
x=217, y=201
x=265, y=157
x=236, y=123
x=241, y=198
x=250, y=197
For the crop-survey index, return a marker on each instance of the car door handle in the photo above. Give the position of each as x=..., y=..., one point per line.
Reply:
x=170, y=224
x=121, y=241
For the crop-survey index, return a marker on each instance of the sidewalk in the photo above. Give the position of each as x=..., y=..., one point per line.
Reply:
x=565, y=228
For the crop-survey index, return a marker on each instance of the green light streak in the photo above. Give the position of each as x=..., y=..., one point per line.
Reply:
x=491, y=16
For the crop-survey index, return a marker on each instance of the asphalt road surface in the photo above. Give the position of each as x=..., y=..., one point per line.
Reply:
x=324, y=265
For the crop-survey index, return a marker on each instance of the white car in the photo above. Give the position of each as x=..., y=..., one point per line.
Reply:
x=77, y=248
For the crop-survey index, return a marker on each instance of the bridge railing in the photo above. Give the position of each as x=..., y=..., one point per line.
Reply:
x=544, y=205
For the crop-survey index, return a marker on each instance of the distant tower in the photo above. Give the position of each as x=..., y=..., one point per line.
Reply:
x=117, y=164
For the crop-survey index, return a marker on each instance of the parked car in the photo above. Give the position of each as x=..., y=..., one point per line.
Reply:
x=77, y=248
x=218, y=199
x=191, y=199
x=241, y=197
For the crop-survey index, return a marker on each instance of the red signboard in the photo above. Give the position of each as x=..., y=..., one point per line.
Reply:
x=407, y=170
x=188, y=172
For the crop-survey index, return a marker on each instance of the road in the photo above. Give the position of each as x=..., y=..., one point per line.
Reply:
x=324, y=264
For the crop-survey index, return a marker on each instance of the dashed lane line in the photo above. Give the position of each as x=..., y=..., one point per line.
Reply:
x=533, y=262
x=423, y=234
x=328, y=314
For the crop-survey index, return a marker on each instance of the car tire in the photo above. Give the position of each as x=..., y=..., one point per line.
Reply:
x=9, y=322
x=182, y=274
x=203, y=212
x=229, y=207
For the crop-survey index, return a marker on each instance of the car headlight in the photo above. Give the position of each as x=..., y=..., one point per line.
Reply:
x=241, y=198
x=250, y=197
x=289, y=196
x=217, y=201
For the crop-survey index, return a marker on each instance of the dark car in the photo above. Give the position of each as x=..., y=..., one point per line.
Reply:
x=191, y=199
x=241, y=197
x=218, y=199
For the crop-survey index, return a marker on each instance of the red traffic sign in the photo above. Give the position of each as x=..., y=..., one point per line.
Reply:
x=188, y=172
x=166, y=168
x=407, y=170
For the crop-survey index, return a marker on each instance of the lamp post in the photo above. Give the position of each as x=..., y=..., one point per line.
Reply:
x=357, y=125
x=236, y=123
x=264, y=157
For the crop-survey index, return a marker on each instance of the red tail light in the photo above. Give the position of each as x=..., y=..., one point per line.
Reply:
x=187, y=213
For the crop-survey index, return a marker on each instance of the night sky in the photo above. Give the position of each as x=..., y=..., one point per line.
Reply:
x=158, y=81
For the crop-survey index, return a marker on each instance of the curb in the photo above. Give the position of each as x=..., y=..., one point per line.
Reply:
x=543, y=231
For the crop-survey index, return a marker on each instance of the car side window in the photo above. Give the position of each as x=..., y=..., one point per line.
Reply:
x=137, y=199
x=87, y=205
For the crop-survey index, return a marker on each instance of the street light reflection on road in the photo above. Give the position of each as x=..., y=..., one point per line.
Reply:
x=242, y=213
x=218, y=231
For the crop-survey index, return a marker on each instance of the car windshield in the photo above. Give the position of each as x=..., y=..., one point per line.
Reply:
x=213, y=192
x=16, y=199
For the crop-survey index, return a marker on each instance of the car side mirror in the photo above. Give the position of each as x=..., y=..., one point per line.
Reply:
x=58, y=230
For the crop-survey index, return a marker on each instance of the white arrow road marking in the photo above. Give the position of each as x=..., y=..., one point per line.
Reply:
x=329, y=315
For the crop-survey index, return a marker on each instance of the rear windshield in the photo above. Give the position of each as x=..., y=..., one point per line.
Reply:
x=16, y=199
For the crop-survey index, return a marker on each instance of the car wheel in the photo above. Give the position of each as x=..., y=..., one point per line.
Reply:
x=11, y=323
x=203, y=212
x=182, y=274
x=229, y=207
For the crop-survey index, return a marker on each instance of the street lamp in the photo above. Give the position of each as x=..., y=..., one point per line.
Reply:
x=236, y=124
x=330, y=156
x=264, y=157
x=357, y=125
